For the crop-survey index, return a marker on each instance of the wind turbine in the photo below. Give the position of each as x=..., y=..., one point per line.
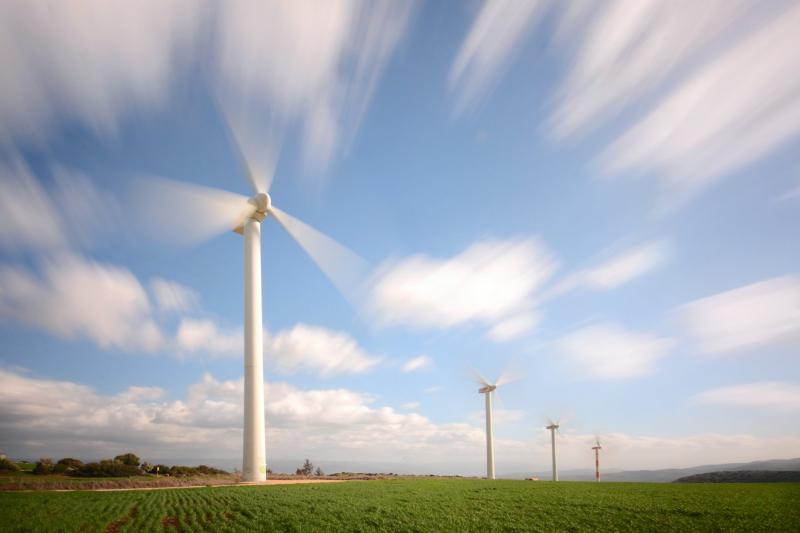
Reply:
x=553, y=427
x=487, y=389
x=192, y=213
x=597, y=449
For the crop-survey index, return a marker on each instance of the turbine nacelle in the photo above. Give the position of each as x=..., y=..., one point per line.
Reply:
x=487, y=388
x=262, y=206
x=552, y=427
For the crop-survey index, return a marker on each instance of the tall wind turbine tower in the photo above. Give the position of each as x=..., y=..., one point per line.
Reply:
x=190, y=213
x=487, y=391
x=553, y=427
x=597, y=449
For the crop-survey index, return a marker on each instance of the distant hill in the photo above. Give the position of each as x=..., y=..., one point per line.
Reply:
x=668, y=474
x=743, y=476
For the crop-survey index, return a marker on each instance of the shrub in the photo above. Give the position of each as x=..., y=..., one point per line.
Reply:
x=43, y=466
x=67, y=465
x=162, y=470
x=130, y=459
x=7, y=465
x=106, y=468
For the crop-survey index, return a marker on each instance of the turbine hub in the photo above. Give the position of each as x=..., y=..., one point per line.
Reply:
x=262, y=203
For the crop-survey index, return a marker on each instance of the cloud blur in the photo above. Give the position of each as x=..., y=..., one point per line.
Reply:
x=488, y=283
x=760, y=314
x=607, y=351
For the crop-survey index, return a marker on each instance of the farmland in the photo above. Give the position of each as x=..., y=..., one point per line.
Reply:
x=413, y=505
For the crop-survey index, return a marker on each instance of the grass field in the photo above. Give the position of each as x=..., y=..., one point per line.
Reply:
x=414, y=505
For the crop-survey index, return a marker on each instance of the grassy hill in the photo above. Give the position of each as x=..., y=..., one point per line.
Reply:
x=414, y=505
x=743, y=476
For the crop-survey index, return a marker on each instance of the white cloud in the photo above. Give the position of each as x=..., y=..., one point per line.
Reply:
x=702, y=130
x=514, y=327
x=332, y=424
x=615, y=271
x=625, y=50
x=77, y=298
x=331, y=57
x=73, y=212
x=776, y=395
x=87, y=62
x=763, y=313
x=28, y=220
x=319, y=350
x=410, y=406
x=494, y=37
x=489, y=283
x=303, y=348
x=43, y=417
x=607, y=351
x=203, y=336
x=624, y=267
x=171, y=296
x=417, y=363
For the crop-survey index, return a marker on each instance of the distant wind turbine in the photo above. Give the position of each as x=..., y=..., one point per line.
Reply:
x=597, y=449
x=190, y=213
x=553, y=427
x=487, y=389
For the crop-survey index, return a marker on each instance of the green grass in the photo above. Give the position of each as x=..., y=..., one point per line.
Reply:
x=414, y=505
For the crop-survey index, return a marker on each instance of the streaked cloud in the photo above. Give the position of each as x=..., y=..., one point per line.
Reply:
x=608, y=351
x=171, y=296
x=62, y=61
x=701, y=130
x=71, y=213
x=417, y=363
x=118, y=313
x=763, y=313
x=495, y=35
x=775, y=395
x=488, y=283
x=625, y=50
x=28, y=219
x=616, y=270
x=332, y=55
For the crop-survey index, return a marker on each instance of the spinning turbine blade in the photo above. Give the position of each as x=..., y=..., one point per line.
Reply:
x=480, y=380
x=343, y=267
x=508, y=375
x=182, y=213
x=256, y=153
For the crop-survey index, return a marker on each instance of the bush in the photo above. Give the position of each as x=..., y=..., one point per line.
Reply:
x=162, y=470
x=107, y=468
x=67, y=465
x=43, y=466
x=7, y=465
x=130, y=459
x=182, y=471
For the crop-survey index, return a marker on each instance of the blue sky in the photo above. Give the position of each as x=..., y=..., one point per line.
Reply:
x=603, y=198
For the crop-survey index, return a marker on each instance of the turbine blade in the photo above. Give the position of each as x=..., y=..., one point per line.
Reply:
x=477, y=378
x=343, y=267
x=509, y=375
x=184, y=213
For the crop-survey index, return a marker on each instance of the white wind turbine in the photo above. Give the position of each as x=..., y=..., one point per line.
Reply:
x=553, y=427
x=487, y=389
x=192, y=213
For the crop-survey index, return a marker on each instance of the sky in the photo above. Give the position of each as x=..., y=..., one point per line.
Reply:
x=600, y=199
